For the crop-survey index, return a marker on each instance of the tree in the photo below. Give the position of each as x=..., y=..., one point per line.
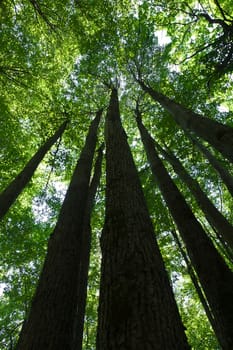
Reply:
x=212, y=214
x=11, y=192
x=56, y=60
x=218, y=135
x=195, y=281
x=136, y=308
x=215, y=277
x=50, y=324
x=223, y=172
x=85, y=254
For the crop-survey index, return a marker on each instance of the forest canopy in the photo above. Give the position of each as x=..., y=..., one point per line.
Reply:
x=64, y=67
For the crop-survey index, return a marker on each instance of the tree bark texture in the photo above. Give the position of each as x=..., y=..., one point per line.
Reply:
x=218, y=135
x=85, y=255
x=137, y=310
x=51, y=321
x=212, y=214
x=226, y=177
x=214, y=275
x=12, y=191
x=195, y=281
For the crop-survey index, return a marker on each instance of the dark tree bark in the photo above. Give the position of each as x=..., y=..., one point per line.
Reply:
x=137, y=309
x=195, y=281
x=223, y=172
x=212, y=214
x=12, y=191
x=214, y=275
x=218, y=135
x=85, y=254
x=51, y=321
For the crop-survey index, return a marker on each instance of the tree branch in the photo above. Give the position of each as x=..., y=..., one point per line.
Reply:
x=223, y=12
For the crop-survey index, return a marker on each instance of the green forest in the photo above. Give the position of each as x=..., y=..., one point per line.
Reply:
x=116, y=175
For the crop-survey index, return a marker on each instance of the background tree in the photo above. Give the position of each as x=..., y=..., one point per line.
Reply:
x=9, y=195
x=197, y=242
x=54, y=305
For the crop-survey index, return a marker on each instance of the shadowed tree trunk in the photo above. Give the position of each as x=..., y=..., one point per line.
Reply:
x=212, y=214
x=85, y=254
x=137, y=310
x=195, y=281
x=51, y=321
x=223, y=172
x=12, y=191
x=214, y=275
x=218, y=135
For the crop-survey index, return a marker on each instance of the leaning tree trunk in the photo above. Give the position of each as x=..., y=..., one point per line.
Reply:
x=212, y=214
x=85, y=255
x=195, y=281
x=218, y=135
x=214, y=275
x=51, y=321
x=12, y=191
x=137, y=309
x=223, y=172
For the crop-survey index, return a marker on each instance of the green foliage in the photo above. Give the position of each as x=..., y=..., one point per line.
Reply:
x=57, y=61
x=198, y=331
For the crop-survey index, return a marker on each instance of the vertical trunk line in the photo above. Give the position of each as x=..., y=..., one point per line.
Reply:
x=85, y=255
x=137, y=309
x=214, y=275
x=50, y=324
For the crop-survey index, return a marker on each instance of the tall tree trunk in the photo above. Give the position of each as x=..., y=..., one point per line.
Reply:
x=51, y=321
x=137, y=309
x=214, y=275
x=85, y=254
x=226, y=177
x=212, y=214
x=195, y=281
x=12, y=191
x=218, y=135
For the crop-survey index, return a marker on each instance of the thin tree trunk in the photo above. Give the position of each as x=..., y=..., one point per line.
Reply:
x=214, y=275
x=12, y=191
x=226, y=177
x=218, y=135
x=195, y=281
x=51, y=321
x=137, y=310
x=85, y=254
x=212, y=214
